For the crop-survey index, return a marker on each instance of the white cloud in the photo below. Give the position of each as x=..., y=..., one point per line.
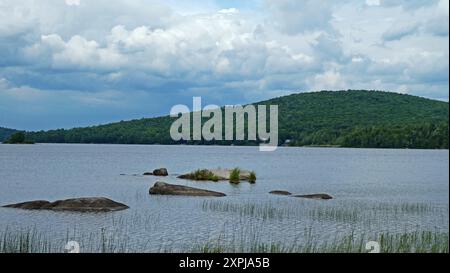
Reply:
x=293, y=17
x=397, y=32
x=73, y=2
x=373, y=2
x=148, y=49
x=329, y=80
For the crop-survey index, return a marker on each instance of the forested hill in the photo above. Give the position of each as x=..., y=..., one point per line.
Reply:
x=5, y=133
x=372, y=119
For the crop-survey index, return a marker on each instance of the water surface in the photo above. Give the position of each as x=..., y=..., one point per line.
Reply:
x=374, y=190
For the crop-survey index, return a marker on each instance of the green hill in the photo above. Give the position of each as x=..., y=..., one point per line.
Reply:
x=5, y=133
x=372, y=119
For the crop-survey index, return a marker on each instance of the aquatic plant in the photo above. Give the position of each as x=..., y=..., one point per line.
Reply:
x=235, y=175
x=252, y=177
x=249, y=241
x=407, y=242
x=202, y=175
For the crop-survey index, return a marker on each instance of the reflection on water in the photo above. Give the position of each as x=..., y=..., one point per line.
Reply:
x=375, y=191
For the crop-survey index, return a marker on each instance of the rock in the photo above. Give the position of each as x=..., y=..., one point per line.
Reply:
x=161, y=188
x=320, y=196
x=160, y=172
x=280, y=192
x=33, y=205
x=90, y=204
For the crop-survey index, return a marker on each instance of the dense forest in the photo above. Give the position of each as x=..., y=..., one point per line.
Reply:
x=5, y=133
x=372, y=119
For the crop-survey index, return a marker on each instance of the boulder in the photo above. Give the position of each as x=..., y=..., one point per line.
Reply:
x=161, y=172
x=158, y=172
x=161, y=188
x=90, y=204
x=320, y=196
x=280, y=192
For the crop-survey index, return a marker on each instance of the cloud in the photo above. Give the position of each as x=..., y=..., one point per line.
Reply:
x=329, y=80
x=76, y=53
x=373, y=2
x=408, y=4
x=293, y=17
x=101, y=61
x=73, y=2
x=398, y=32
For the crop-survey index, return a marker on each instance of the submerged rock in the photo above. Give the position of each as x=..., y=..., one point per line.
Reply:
x=161, y=188
x=90, y=204
x=280, y=192
x=320, y=196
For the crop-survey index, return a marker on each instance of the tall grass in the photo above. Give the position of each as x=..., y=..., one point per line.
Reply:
x=24, y=241
x=355, y=222
x=317, y=211
x=412, y=242
x=337, y=214
x=31, y=241
x=252, y=177
x=261, y=211
x=235, y=175
x=202, y=175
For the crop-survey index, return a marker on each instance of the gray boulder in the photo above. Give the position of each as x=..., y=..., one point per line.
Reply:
x=161, y=172
x=161, y=188
x=89, y=204
x=158, y=172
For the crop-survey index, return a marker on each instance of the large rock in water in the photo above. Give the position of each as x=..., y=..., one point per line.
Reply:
x=161, y=172
x=90, y=204
x=161, y=188
x=158, y=172
x=320, y=196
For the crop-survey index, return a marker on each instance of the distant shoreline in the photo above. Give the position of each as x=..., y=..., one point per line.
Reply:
x=246, y=146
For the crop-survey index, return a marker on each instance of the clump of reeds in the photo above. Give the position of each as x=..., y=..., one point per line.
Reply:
x=235, y=176
x=202, y=175
x=252, y=177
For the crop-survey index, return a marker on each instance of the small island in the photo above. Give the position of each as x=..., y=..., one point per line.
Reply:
x=234, y=176
x=18, y=138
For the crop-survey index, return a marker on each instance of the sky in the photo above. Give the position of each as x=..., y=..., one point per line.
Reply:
x=72, y=63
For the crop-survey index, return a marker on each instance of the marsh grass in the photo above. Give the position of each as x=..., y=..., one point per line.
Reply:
x=24, y=241
x=203, y=175
x=337, y=214
x=249, y=234
x=412, y=242
x=235, y=175
x=252, y=177
x=260, y=211
x=31, y=241
x=350, y=213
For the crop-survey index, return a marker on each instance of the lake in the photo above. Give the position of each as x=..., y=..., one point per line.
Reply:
x=376, y=191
